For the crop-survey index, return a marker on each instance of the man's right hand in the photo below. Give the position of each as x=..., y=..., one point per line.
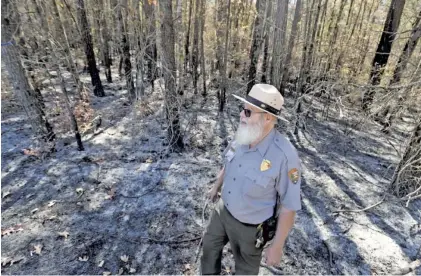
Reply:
x=213, y=194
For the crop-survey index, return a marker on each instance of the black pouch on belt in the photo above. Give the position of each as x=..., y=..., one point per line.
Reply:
x=267, y=229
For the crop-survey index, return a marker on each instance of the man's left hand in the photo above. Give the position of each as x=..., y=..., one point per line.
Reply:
x=274, y=254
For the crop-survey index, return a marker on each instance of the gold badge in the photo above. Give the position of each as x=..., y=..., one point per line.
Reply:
x=265, y=165
x=293, y=175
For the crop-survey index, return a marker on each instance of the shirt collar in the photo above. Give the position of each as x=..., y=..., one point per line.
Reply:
x=263, y=145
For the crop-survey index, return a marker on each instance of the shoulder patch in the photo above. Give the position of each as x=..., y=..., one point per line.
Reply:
x=293, y=175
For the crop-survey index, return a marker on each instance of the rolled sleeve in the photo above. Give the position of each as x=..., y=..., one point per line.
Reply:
x=289, y=184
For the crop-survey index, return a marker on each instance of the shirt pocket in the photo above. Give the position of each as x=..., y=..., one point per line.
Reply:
x=257, y=185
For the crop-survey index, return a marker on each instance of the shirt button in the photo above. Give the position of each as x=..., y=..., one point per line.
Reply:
x=229, y=192
x=234, y=178
x=239, y=165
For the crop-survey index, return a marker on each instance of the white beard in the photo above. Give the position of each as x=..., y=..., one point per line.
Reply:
x=248, y=133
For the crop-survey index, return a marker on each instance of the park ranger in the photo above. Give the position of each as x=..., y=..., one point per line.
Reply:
x=261, y=181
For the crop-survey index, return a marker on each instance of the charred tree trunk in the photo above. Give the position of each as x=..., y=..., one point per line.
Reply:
x=279, y=43
x=151, y=49
x=89, y=49
x=268, y=24
x=293, y=35
x=125, y=48
x=195, y=52
x=256, y=44
x=223, y=68
x=407, y=51
x=105, y=39
x=31, y=101
x=202, y=46
x=169, y=70
x=383, y=49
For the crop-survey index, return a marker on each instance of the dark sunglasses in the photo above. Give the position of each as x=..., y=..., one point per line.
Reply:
x=248, y=112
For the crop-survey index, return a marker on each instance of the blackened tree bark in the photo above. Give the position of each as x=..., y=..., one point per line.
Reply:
x=31, y=101
x=268, y=24
x=256, y=44
x=384, y=48
x=169, y=70
x=151, y=50
x=105, y=39
x=195, y=52
x=408, y=49
x=279, y=43
x=89, y=50
x=223, y=68
x=125, y=48
x=202, y=46
x=293, y=35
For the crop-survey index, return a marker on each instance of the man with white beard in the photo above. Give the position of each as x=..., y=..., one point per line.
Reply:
x=261, y=181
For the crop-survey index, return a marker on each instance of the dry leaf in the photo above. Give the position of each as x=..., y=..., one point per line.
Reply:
x=34, y=210
x=52, y=217
x=80, y=191
x=106, y=273
x=38, y=248
x=187, y=267
x=84, y=259
x=30, y=152
x=6, y=194
x=101, y=263
x=120, y=271
x=63, y=234
x=124, y=258
x=51, y=204
x=149, y=160
x=132, y=270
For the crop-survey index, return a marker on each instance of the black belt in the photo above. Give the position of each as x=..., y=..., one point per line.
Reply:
x=245, y=224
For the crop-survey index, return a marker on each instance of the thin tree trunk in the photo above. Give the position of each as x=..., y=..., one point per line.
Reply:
x=279, y=43
x=151, y=49
x=125, y=47
x=407, y=51
x=333, y=38
x=339, y=62
x=366, y=41
x=195, y=52
x=383, y=49
x=69, y=59
x=89, y=50
x=223, y=69
x=349, y=12
x=268, y=24
x=56, y=67
x=292, y=37
x=236, y=39
x=202, y=46
x=186, y=46
x=219, y=35
x=105, y=39
x=32, y=102
x=169, y=69
x=257, y=42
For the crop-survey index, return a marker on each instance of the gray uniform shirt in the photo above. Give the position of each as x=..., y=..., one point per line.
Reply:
x=253, y=176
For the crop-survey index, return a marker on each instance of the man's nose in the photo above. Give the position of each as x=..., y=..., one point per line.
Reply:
x=242, y=115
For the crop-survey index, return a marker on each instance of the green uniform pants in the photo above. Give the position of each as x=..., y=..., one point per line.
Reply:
x=223, y=227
